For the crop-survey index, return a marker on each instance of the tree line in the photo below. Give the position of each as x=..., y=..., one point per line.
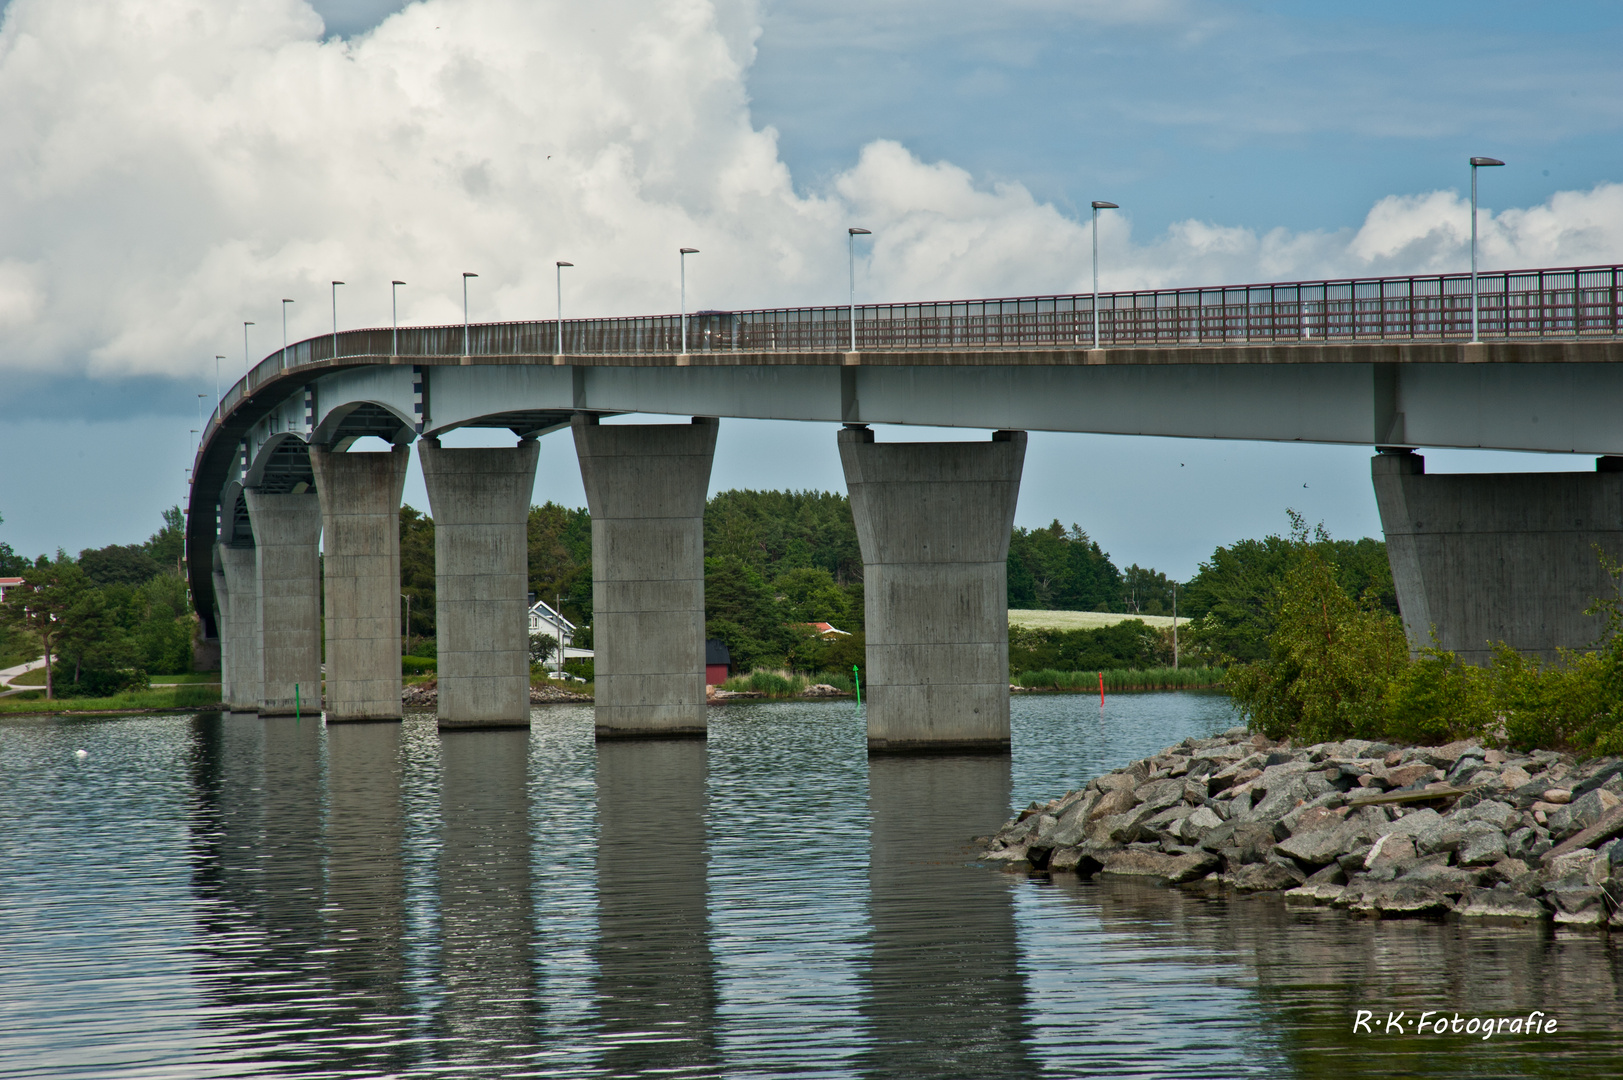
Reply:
x=105, y=620
x=775, y=561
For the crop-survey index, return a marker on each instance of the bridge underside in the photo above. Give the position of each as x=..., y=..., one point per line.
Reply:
x=1506, y=569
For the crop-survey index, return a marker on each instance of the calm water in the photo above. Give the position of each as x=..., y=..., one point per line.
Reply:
x=225, y=896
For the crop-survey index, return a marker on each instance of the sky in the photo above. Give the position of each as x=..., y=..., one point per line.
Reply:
x=171, y=168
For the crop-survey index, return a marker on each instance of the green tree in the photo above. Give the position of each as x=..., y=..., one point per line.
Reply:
x=119, y=564
x=1055, y=568
x=417, y=570
x=1231, y=599
x=42, y=604
x=167, y=546
x=1145, y=591
x=1330, y=659
x=560, y=558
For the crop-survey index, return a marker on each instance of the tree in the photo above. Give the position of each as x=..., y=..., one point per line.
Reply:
x=1330, y=657
x=1146, y=591
x=417, y=571
x=42, y=605
x=1061, y=569
x=119, y=564
x=542, y=648
x=1231, y=599
x=167, y=546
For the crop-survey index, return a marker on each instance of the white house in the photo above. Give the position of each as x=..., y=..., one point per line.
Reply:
x=545, y=620
x=8, y=583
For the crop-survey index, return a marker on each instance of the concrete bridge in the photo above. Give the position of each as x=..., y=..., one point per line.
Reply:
x=1387, y=363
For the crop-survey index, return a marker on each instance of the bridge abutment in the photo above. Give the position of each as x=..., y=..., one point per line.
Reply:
x=287, y=530
x=360, y=511
x=480, y=499
x=646, y=486
x=933, y=520
x=239, y=628
x=1489, y=557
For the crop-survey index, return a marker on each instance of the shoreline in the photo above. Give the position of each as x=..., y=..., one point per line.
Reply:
x=1376, y=829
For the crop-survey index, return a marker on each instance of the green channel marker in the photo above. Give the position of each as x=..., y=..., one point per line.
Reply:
x=295, y=703
x=856, y=680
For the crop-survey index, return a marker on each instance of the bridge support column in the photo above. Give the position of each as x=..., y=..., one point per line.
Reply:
x=360, y=520
x=646, y=486
x=480, y=499
x=933, y=520
x=1498, y=557
x=222, y=622
x=239, y=627
x=287, y=531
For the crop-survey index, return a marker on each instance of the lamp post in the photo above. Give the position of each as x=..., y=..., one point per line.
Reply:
x=285, y=303
x=1098, y=205
x=406, y=649
x=560, y=264
x=465, y=276
x=218, y=396
x=1476, y=163
x=685, y=252
x=335, y=317
x=851, y=260
x=245, y=369
x=394, y=317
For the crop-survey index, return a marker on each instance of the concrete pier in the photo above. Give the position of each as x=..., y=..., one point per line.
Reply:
x=933, y=520
x=1506, y=557
x=646, y=486
x=222, y=623
x=480, y=499
x=360, y=516
x=287, y=530
x=239, y=629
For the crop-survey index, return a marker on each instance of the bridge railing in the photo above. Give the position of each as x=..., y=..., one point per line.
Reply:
x=1567, y=303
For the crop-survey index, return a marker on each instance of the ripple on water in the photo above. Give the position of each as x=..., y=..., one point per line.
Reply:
x=224, y=896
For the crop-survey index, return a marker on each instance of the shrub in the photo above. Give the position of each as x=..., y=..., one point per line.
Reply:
x=417, y=665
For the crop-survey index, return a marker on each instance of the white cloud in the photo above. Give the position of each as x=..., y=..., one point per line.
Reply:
x=172, y=167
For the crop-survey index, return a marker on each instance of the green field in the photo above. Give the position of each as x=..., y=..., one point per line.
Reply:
x=1083, y=620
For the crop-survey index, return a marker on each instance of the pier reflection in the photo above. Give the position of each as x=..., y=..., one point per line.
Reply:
x=656, y=979
x=487, y=1017
x=944, y=993
x=365, y=912
x=259, y=875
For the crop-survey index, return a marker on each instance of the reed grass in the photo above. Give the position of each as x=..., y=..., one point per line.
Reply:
x=778, y=684
x=1165, y=678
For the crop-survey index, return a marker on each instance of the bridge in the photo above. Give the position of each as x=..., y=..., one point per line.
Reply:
x=1390, y=363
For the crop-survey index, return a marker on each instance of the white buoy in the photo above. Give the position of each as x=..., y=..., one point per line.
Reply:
x=81, y=754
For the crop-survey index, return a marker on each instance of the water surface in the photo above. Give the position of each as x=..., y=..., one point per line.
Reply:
x=230, y=896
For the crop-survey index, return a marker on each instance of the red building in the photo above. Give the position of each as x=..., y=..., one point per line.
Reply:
x=718, y=662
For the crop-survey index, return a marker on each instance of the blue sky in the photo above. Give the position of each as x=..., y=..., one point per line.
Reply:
x=138, y=240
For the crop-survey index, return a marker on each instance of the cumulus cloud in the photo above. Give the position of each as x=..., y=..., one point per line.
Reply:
x=173, y=167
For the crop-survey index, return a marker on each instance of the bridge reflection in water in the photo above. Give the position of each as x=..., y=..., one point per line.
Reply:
x=487, y=971
x=656, y=976
x=943, y=989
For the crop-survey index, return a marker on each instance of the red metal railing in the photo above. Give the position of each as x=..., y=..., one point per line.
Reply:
x=1560, y=304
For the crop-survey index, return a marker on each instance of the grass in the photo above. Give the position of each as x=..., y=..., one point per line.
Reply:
x=191, y=696
x=777, y=684
x=1083, y=620
x=37, y=678
x=1123, y=679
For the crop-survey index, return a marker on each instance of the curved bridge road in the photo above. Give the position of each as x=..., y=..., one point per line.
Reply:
x=1385, y=362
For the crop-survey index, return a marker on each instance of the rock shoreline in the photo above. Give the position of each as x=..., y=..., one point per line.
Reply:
x=1374, y=828
x=426, y=695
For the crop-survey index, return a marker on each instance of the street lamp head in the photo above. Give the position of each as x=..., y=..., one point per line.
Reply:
x=397, y=283
x=469, y=274
x=562, y=263
x=1100, y=204
x=860, y=232
x=338, y=283
x=1486, y=161
x=285, y=300
x=688, y=251
x=246, y=323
